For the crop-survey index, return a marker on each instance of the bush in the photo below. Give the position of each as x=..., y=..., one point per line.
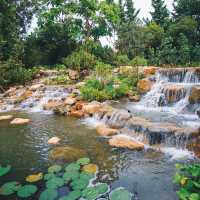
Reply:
x=188, y=178
x=58, y=80
x=138, y=61
x=80, y=60
x=122, y=60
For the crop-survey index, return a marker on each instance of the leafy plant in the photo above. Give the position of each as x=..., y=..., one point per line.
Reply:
x=26, y=191
x=120, y=193
x=188, y=178
x=48, y=194
x=58, y=80
x=83, y=161
x=54, y=169
x=72, y=195
x=72, y=167
x=55, y=183
x=4, y=170
x=9, y=188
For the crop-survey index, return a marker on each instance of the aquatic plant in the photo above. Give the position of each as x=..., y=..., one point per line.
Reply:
x=90, y=193
x=119, y=194
x=71, y=175
x=54, y=169
x=188, y=179
x=83, y=161
x=72, y=167
x=102, y=188
x=76, y=194
x=9, y=188
x=79, y=184
x=48, y=194
x=49, y=176
x=55, y=183
x=4, y=170
x=90, y=168
x=26, y=191
x=34, y=177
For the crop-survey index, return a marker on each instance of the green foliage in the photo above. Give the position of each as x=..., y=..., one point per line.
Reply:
x=57, y=80
x=188, y=178
x=121, y=60
x=76, y=194
x=83, y=161
x=72, y=167
x=54, y=183
x=48, y=194
x=9, y=188
x=138, y=61
x=80, y=60
x=26, y=191
x=54, y=169
x=4, y=170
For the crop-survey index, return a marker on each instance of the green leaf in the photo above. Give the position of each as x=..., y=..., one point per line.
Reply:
x=26, y=191
x=72, y=195
x=4, y=170
x=72, y=167
x=83, y=161
x=48, y=194
x=55, y=183
x=196, y=184
x=183, y=194
x=79, y=184
x=68, y=176
x=54, y=169
x=119, y=194
x=102, y=188
x=177, y=178
x=90, y=193
x=9, y=188
x=49, y=176
x=194, y=196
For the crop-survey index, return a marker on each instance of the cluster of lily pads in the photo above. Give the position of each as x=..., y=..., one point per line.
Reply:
x=78, y=177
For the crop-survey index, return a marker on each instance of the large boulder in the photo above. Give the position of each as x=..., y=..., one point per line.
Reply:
x=195, y=95
x=144, y=85
x=70, y=101
x=6, y=117
x=73, y=75
x=66, y=153
x=62, y=109
x=123, y=141
x=77, y=113
x=103, y=130
x=148, y=71
x=19, y=121
x=52, y=104
x=92, y=108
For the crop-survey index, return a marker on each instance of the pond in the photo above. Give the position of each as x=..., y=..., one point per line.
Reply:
x=147, y=174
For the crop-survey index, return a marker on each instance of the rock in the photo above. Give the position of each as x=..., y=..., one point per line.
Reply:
x=6, y=117
x=126, y=70
x=198, y=113
x=116, y=70
x=11, y=91
x=123, y=141
x=36, y=87
x=92, y=108
x=62, y=109
x=70, y=101
x=48, y=72
x=195, y=95
x=79, y=105
x=66, y=153
x=73, y=75
x=144, y=85
x=52, y=104
x=54, y=140
x=103, y=130
x=77, y=113
x=134, y=98
x=150, y=70
x=19, y=121
x=25, y=95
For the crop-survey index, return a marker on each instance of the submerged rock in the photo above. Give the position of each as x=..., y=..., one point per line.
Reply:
x=103, y=130
x=144, y=85
x=54, y=140
x=66, y=153
x=19, y=121
x=195, y=95
x=123, y=141
x=6, y=117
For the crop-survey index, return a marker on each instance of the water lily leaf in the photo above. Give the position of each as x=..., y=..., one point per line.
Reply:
x=72, y=195
x=48, y=194
x=72, y=167
x=87, y=176
x=54, y=169
x=9, y=188
x=120, y=193
x=34, y=178
x=102, y=188
x=194, y=196
x=55, y=183
x=68, y=176
x=83, y=161
x=90, y=168
x=79, y=184
x=26, y=191
x=90, y=193
x=4, y=170
x=49, y=176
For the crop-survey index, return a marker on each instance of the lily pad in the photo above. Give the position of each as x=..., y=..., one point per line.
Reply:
x=72, y=195
x=90, y=168
x=48, y=194
x=87, y=176
x=54, y=169
x=83, y=161
x=34, y=178
x=119, y=194
x=68, y=176
x=72, y=167
x=49, y=176
x=79, y=184
x=102, y=188
x=9, y=188
x=4, y=170
x=26, y=191
x=90, y=193
x=55, y=183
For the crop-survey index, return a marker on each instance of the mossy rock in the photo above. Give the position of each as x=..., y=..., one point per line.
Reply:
x=120, y=193
x=4, y=170
x=26, y=191
x=90, y=168
x=9, y=188
x=55, y=183
x=48, y=194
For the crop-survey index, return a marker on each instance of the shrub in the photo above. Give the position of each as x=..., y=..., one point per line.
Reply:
x=80, y=60
x=122, y=60
x=58, y=80
x=188, y=178
x=138, y=61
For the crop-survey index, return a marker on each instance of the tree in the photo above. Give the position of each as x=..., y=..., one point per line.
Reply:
x=130, y=13
x=160, y=14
